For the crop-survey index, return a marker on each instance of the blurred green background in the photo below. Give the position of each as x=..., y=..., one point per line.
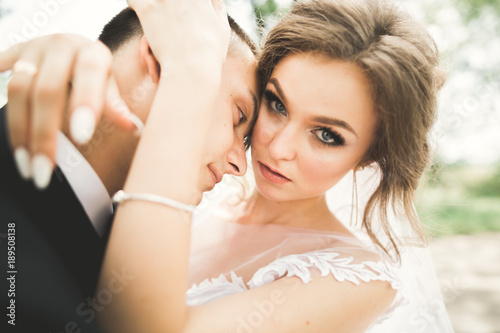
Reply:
x=460, y=199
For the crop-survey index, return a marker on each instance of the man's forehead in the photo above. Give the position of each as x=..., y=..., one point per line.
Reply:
x=241, y=70
x=238, y=48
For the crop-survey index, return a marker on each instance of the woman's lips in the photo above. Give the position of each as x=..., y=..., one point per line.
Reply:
x=272, y=175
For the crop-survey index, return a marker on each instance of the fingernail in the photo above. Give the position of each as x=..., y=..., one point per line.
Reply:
x=42, y=170
x=137, y=122
x=82, y=125
x=122, y=108
x=22, y=158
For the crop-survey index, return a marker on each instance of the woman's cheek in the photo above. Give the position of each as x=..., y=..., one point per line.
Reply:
x=322, y=173
x=263, y=132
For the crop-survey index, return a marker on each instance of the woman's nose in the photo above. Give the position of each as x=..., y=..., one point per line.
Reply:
x=283, y=145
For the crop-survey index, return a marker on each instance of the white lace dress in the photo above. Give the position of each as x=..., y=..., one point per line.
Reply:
x=227, y=258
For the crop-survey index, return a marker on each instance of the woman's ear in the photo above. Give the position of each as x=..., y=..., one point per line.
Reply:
x=152, y=66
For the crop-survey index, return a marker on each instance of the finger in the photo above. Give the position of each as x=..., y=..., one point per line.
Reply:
x=49, y=96
x=9, y=57
x=220, y=10
x=18, y=117
x=117, y=112
x=91, y=73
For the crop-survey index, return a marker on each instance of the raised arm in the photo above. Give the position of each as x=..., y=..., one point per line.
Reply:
x=151, y=241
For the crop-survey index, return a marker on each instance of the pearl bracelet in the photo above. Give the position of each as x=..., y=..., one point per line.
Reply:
x=121, y=196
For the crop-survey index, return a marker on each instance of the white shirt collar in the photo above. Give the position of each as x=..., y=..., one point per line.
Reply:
x=85, y=183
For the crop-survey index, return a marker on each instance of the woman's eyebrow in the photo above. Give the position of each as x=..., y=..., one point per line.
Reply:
x=335, y=122
x=280, y=92
x=319, y=119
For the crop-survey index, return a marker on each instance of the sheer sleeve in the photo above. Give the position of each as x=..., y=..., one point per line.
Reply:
x=344, y=268
x=323, y=263
x=230, y=258
x=423, y=309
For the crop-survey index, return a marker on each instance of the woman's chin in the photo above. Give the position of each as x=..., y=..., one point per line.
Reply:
x=272, y=192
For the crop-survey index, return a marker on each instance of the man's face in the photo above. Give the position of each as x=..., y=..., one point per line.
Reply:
x=236, y=108
x=236, y=111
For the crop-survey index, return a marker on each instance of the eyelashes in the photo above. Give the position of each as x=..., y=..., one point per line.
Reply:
x=274, y=103
x=243, y=117
x=329, y=137
x=325, y=135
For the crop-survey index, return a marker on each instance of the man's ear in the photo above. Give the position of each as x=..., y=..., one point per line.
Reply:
x=149, y=60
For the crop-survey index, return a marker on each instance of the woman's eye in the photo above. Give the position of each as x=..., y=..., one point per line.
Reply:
x=278, y=106
x=329, y=137
x=274, y=103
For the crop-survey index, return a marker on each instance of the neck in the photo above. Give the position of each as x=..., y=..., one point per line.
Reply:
x=312, y=213
x=110, y=154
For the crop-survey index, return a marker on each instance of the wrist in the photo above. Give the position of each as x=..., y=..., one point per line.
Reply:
x=205, y=70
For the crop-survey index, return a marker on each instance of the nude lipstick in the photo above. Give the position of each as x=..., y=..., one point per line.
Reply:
x=272, y=175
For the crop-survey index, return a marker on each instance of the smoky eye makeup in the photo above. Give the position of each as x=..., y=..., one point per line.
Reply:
x=328, y=137
x=325, y=135
x=274, y=103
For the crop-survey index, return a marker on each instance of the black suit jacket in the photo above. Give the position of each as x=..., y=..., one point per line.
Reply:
x=57, y=253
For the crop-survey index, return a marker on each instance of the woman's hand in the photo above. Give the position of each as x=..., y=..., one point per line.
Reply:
x=178, y=34
x=55, y=77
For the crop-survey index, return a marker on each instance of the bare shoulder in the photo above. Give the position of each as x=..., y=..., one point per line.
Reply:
x=289, y=305
x=349, y=307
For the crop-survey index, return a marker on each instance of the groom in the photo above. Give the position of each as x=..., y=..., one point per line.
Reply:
x=60, y=233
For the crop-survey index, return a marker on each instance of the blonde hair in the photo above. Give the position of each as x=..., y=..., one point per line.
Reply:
x=400, y=60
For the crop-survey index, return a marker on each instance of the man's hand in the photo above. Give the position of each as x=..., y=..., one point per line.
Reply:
x=55, y=77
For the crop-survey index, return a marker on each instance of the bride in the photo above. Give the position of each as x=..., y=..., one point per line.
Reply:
x=347, y=85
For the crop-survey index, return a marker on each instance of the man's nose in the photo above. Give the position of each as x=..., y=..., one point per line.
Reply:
x=236, y=159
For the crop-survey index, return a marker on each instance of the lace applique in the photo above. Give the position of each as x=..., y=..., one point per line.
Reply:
x=211, y=289
x=300, y=265
x=343, y=269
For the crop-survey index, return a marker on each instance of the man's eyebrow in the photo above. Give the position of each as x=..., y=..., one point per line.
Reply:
x=334, y=122
x=280, y=92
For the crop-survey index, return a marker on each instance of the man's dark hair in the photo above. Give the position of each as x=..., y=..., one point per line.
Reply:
x=126, y=25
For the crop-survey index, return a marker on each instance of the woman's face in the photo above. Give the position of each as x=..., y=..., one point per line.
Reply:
x=316, y=122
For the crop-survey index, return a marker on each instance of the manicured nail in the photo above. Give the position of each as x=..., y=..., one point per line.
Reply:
x=22, y=158
x=82, y=125
x=137, y=122
x=42, y=170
